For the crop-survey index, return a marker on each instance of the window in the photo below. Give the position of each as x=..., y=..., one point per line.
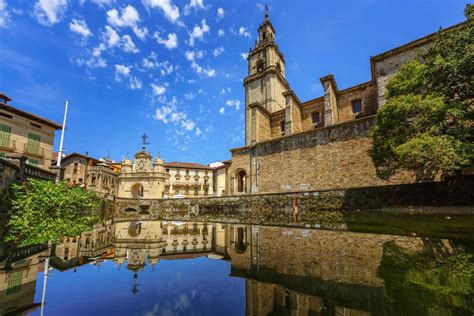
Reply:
x=282, y=128
x=206, y=191
x=2, y=155
x=196, y=191
x=5, y=132
x=315, y=117
x=76, y=166
x=32, y=162
x=356, y=106
x=278, y=67
x=260, y=66
x=187, y=172
x=35, y=125
x=33, y=144
x=6, y=115
x=14, y=283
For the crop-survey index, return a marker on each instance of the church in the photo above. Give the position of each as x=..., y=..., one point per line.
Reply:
x=322, y=143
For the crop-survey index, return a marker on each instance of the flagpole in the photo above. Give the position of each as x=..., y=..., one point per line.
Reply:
x=60, y=153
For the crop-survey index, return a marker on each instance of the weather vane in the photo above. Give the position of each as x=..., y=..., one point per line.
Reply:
x=144, y=141
x=266, y=10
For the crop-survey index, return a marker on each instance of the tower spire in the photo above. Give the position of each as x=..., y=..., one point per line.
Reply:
x=266, y=12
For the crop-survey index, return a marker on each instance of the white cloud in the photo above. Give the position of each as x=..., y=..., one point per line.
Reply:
x=222, y=110
x=141, y=33
x=128, y=17
x=217, y=51
x=111, y=37
x=220, y=14
x=122, y=71
x=244, y=55
x=225, y=90
x=103, y=3
x=169, y=113
x=80, y=27
x=208, y=72
x=49, y=12
x=221, y=33
x=198, y=32
x=243, y=31
x=169, y=9
x=134, y=83
x=189, y=96
x=5, y=16
x=196, y=5
x=193, y=55
x=157, y=89
x=166, y=68
x=128, y=45
x=170, y=43
x=234, y=103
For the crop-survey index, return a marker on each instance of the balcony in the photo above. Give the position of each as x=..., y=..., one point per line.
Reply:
x=7, y=145
x=34, y=151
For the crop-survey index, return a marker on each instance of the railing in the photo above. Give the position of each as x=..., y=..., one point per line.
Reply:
x=34, y=151
x=8, y=144
x=38, y=173
x=184, y=183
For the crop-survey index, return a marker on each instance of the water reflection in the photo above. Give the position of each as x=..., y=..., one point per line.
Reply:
x=260, y=270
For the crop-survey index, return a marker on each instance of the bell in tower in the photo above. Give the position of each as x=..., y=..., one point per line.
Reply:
x=265, y=83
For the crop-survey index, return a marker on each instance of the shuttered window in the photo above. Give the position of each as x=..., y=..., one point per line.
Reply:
x=33, y=145
x=5, y=132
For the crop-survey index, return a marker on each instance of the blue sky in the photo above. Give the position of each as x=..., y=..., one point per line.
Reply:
x=174, y=68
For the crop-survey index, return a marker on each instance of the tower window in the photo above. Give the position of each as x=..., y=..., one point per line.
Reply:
x=356, y=106
x=282, y=128
x=278, y=67
x=316, y=117
x=260, y=66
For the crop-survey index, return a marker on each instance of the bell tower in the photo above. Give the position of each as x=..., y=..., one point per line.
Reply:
x=264, y=84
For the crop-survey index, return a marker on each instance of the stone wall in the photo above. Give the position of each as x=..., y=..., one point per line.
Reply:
x=9, y=173
x=331, y=209
x=324, y=158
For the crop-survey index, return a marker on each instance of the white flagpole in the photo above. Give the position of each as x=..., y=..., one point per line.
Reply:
x=60, y=153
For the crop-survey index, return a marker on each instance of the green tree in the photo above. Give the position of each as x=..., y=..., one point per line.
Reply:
x=44, y=211
x=427, y=123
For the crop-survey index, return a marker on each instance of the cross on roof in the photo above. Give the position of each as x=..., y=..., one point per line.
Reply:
x=144, y=141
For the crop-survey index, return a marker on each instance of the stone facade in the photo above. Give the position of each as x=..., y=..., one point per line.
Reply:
x=26, y=134
x=91, y=174
x=140, y=179
x=188, y=179
x=318, y=144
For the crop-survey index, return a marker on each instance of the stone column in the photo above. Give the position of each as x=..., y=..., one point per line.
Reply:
x=331, y=115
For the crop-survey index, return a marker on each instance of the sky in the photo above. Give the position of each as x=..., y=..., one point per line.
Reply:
x=173, y=69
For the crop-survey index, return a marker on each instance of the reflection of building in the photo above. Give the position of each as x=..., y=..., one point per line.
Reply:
x=26, y=134
x=187, y=237
x=18, y=275
x=79, y=250
x=306, y=272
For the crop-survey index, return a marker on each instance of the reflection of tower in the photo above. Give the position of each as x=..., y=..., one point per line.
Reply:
x=135, y=283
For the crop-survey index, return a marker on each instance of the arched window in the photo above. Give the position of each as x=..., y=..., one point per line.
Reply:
x=137, y=191
x=241, y=181
x=278, y=67
x=241, y=240
x=260, y=66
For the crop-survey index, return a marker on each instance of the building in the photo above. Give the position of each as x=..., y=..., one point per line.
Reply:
x=91, y=174
x=140, y=179
x=189, y=179
x=26, y=134
x=322, y=143
x=219, y=177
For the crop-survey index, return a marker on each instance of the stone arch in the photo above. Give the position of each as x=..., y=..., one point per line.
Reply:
x=137, y=191
x=241, y=178
x=260, y=65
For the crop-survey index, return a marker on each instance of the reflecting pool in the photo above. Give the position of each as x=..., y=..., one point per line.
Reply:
x=195, y=268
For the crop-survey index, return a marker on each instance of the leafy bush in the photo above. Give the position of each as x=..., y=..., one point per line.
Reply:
x=44, y=211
